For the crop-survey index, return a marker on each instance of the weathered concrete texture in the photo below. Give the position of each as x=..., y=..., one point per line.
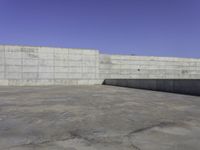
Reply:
x=183, y=86
x=25, y=65
x=141, y=67
x=97, y=118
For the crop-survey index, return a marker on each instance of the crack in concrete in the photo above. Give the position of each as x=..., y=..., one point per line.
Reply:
x=161, y=124
x=93, y=140
x=76, y=134
x=135, y=147
x=34, y=143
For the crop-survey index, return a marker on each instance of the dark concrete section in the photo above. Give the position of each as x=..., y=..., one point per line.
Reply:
x=97, y=118
x=182, y=86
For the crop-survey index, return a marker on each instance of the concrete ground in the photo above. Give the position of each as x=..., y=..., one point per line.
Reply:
x=97, y=118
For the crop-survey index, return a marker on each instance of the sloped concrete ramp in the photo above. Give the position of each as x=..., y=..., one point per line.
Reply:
x=97, y=118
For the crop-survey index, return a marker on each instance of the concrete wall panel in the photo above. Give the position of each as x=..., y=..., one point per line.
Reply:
x=46, y=75
x=136, y=67
x=2, y=75
x=29, y=75
x=13, y=75
x=2, y=68
x=30, y=69
x=61, y=75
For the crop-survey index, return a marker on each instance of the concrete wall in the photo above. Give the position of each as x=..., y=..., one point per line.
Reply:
x=23, y=65
x=183, y=86
x=139, y=67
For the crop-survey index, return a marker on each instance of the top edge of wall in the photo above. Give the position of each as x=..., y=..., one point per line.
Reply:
x=113, y=55
x=47, y=47
x=121, y=56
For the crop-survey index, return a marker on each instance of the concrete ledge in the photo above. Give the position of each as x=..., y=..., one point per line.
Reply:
x=49, y=82
x=182, y=86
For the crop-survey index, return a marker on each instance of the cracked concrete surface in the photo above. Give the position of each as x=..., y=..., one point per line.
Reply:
x=97, y=118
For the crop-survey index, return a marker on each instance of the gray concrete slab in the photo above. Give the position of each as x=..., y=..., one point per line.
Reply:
x=97, y=118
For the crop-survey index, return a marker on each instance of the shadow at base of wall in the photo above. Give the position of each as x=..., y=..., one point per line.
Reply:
x=182, y=86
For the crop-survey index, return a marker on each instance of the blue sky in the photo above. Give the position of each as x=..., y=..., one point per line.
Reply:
x=141, y=27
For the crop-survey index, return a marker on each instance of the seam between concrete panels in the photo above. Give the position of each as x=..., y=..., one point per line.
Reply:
x=54, y=65
x=4, y=62
x=38, y=62
x=82, y=64
x=22, y=64
x=67, y=63
x=120, y=66
x=96, y=64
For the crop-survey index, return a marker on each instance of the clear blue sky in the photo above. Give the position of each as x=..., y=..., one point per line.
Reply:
x=141, y=27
